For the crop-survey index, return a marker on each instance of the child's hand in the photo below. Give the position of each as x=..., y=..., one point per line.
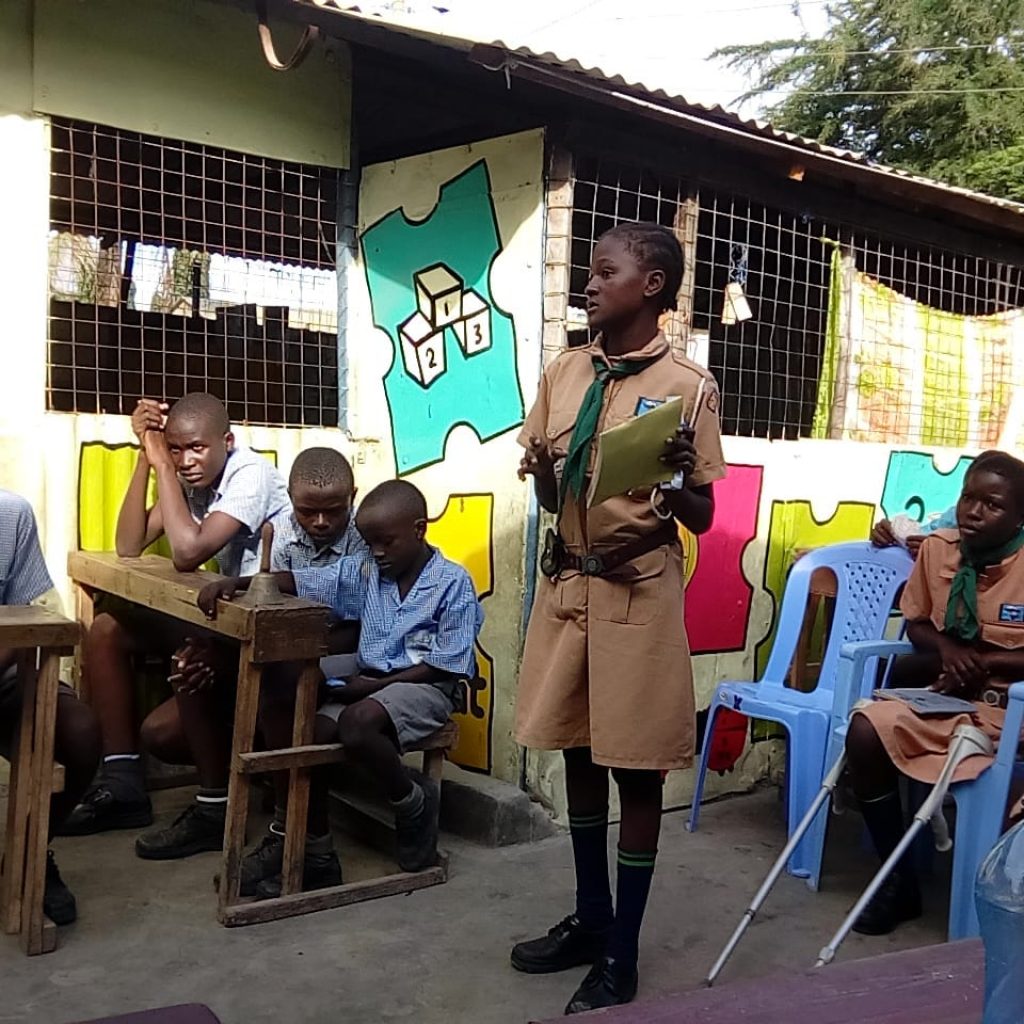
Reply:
x=964, y=671
x=148, y=415
x=680, y=454
x=193, y=666
x=538, y=460
x=219, y=590
x=882, y=535
x=155, y=445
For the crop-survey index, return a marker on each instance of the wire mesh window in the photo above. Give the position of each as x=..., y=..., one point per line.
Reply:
x=781, y=365
x=178, y=267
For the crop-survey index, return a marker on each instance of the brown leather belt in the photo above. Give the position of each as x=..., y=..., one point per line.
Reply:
x=606, y=562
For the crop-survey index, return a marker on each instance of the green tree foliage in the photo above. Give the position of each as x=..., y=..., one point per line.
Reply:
x=933, y=86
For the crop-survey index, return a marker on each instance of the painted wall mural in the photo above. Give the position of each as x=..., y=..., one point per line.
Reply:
x=718, y=595
x=916, y=487
x=455, y=349
x=465, y=533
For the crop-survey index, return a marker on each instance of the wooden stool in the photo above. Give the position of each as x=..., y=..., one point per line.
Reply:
x=297, y=760
x=41, y=637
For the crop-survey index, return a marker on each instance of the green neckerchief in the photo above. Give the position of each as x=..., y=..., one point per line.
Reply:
x=574, y=472
x=962, y=607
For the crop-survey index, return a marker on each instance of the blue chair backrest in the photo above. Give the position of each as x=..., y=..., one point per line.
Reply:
x=867, y=579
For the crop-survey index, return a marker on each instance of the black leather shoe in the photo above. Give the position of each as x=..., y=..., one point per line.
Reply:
x=608, y=983
x=198, y=829
x=898, y=900
x=319, y=871
x=58, y=900
x=99, y=811
x=568, y=944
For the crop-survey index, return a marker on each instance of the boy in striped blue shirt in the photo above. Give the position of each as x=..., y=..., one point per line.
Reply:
x=419, y=618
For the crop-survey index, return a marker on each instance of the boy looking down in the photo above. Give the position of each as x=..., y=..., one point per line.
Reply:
x=419, y=622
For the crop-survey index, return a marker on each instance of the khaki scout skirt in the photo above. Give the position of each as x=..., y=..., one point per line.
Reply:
x=919, y=746
x=607, y=666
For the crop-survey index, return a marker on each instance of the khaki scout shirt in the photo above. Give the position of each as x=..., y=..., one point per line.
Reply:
x=1000, y=590
x=606, y=663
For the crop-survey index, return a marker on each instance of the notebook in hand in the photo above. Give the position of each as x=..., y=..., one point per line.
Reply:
x=924, y=702
x=629, y=455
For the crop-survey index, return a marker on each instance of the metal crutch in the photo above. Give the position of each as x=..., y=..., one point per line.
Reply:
x=827, y=787
x=968, y=740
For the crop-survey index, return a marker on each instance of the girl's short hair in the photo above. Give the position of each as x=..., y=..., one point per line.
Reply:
x=1005, y=465
x=655, y=248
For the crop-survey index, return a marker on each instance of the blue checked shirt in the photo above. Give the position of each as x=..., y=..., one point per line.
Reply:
x=437, y=624
x=23, y=572
x=251, y=490
x=294, y=549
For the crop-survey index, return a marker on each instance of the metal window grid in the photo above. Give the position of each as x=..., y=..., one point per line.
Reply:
x=135, y=192
x=769, y=367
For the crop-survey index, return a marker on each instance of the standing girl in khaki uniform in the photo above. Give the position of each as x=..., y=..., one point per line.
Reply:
x=964, y=605
x=606, y=674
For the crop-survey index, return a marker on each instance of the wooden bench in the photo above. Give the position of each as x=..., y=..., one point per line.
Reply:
x=942, y=984
x=40, y=637
x=289, y=630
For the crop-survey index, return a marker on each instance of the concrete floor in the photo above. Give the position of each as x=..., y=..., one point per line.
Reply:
x=147, y=934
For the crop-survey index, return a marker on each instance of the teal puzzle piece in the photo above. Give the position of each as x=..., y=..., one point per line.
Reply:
x=453, y=382
x=915, y=488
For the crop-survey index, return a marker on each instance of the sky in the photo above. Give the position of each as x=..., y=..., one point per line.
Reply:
x=659, y=43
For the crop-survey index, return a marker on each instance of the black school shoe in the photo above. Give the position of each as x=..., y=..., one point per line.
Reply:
x=898, y=900
x=58, y=900
x=568, y=944
x=319, y=871
x=198, y=829
x=263, y=861
x=608, y=983
x=99, y=811
x=416, y=834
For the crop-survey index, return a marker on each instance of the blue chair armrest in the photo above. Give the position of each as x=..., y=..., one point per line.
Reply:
x=853, y=658
x=1007, y=753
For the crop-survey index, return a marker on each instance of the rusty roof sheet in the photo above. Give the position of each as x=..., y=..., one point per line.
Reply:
x=384, y=15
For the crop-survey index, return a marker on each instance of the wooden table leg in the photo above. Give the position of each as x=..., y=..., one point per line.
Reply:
x=85, y=611
x=12, y=883
x=246, y=709
x=38, y=935
x=298, y=780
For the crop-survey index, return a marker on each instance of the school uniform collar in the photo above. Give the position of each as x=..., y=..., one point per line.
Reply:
x=657, y=346
x=987, y=576
x=430, y=577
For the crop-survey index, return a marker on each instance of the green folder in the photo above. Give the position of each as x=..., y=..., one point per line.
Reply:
x=629, y=455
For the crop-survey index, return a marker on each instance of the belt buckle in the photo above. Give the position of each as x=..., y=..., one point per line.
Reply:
x=591, y=565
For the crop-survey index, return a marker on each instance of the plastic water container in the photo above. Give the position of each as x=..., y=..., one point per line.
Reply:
x=999, y=896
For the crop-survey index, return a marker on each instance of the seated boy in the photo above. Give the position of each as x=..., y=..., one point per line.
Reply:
x=419, y=622
x=213, y=497
x=24, y=580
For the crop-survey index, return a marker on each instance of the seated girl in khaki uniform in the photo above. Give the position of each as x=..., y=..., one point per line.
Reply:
x=606, y=673
x=964, y=604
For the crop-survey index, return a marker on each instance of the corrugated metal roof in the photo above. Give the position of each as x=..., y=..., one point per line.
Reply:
x=384, y=15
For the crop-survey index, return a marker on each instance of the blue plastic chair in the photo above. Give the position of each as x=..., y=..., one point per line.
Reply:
x=856, y=675
x=867, y=581
x=980, y=810
x=980, y=804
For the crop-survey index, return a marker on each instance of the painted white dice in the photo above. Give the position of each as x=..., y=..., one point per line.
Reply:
x=438, y=294
x=422, y=349
x=474, y=329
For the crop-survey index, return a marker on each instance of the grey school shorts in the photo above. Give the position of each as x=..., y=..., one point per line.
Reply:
x=416, y=710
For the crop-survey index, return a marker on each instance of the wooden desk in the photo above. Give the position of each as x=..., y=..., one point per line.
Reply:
x=294, y=630
x=41, y=637
x=942, y=984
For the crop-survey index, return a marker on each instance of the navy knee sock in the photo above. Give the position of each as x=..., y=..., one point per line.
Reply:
x=590, y=851
x=635, y=871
